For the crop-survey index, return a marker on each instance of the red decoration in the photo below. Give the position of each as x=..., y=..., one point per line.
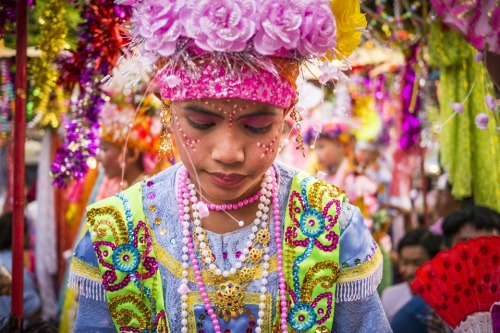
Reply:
x=462, y=281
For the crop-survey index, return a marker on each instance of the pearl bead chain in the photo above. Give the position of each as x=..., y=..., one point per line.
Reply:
x=261, y=217
x=187, y=195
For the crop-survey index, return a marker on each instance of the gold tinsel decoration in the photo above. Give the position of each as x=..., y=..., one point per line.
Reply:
x=53, y=31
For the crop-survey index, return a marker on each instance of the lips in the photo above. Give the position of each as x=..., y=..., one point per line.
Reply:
x=226, y=180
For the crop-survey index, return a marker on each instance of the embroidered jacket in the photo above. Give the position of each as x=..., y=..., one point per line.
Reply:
x=137, y=243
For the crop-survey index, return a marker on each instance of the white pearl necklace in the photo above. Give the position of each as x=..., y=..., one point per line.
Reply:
x=262, y=217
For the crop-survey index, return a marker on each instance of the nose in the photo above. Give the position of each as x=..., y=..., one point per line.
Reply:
x=228, y=149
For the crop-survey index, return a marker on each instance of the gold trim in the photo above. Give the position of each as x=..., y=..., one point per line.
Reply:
x=194, y=298
x=362, y=271
x=175, y=267
x=83, y=269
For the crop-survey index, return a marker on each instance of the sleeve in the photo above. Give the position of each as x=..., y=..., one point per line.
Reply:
x=362, y=316
x=92, y=313
x=358, y=307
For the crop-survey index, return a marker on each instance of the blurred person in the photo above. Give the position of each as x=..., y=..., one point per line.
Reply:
x=463, y=224
x=470, y=222
x=32, y=302
x=333, y=147
x=415, y=248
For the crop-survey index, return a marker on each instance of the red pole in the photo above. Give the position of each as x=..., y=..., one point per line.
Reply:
x=19, y=140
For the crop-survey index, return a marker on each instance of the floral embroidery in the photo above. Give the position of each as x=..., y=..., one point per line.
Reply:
x=130, y=276
x=312, y=231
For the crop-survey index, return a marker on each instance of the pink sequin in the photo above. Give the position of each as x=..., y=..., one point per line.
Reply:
x=215, y=82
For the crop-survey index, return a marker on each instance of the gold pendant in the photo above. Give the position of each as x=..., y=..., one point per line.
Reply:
x=230, y=300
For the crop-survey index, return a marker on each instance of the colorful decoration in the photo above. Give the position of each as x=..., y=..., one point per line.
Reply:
x=410, y=102
x=478, y=21
x=6, y=101
x=101, y=42
x=463, y=146
x=53, y=31
x=7, y=16
x=461, y=284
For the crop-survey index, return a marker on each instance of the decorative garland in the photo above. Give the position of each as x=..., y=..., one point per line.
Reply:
x=53, y=31
x=101, y=40
x=7, y=16
x=6, y=101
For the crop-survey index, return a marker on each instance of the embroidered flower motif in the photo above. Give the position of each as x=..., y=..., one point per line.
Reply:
x=126, y=258
x=348, y=18
x=312, y=223
x=158, y=23
x=220, y=25
x=318, y=30
x=301, y=317
x=279, y=27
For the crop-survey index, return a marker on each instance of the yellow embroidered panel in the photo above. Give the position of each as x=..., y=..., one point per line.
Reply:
x=362, y=271
x=83, y=269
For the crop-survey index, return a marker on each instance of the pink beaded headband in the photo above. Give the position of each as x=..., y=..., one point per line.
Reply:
x=214, y=81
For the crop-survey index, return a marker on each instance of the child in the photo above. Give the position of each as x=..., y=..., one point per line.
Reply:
x=229, y=241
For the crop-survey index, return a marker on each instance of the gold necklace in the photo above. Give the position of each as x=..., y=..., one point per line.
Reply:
x=231, y=290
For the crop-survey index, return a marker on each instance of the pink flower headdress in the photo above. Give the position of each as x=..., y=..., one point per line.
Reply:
x=229, y=48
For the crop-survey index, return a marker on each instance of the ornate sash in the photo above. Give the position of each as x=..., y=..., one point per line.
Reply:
x=311, y=252
x=127, y=262
x=123, y=244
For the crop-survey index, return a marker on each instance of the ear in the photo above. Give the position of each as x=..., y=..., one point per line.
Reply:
x=133, y=155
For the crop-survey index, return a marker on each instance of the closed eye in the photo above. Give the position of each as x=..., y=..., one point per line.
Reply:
x=200, y=126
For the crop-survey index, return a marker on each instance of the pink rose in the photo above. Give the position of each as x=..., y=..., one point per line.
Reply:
x=220, y=25
x=279, y=27
x=157, y=22
x=318, y=32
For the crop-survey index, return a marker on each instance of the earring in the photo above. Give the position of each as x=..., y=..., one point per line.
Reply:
x=166, y=146
x=297, y=117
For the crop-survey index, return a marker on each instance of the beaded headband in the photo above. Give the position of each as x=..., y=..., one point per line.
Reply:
x=228, y=48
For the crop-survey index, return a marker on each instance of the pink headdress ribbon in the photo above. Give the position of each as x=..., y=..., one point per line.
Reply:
x=214, y=81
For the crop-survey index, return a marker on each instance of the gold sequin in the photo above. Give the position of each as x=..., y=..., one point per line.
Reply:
x=157, y=220
x=163, y=231
x=326, y=281
x=125, y=315
x=359, y=272
x=101, y=225
x=152, y=209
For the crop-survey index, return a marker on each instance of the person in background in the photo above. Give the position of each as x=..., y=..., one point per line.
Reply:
x=334, y=152
x=470, y=222
x=417, y=247
x=463, y=224
x=32, y=302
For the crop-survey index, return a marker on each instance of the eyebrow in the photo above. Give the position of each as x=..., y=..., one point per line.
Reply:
x=265, y=111
x=201, y=110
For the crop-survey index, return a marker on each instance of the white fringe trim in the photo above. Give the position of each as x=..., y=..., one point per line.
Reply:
x=360, y=288
x=479, y=322
x=86, y=287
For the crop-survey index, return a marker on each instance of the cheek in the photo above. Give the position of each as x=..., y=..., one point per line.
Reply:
x=184, y=135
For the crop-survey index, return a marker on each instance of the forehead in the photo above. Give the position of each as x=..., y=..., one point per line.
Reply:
x=413, y=252
x=227, y=104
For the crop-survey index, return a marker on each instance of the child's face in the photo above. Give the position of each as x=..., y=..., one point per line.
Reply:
x=329, y=151
x=111, y=157
x=227, y=143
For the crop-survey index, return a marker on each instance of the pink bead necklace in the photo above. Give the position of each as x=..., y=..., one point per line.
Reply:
x=185, y=197
x=234, y=206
